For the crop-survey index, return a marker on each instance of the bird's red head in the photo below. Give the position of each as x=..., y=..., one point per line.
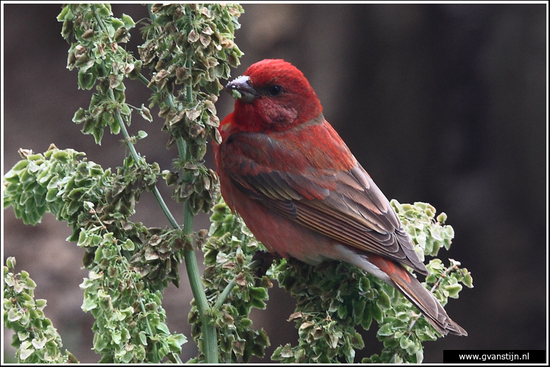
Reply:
x=274, y=96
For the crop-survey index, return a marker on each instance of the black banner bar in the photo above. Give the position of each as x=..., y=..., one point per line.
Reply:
x=495, y=356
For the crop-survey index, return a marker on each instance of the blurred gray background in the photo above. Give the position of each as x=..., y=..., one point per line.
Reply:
x=440, y=103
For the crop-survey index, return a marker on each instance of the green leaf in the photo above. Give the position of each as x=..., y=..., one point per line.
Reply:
x=384, y=300
x=128, y=21
x=385, y=330
x=142, y=337
x=11, y=262
x=116, y=337
x=116, y=23
x=128, y=245
x=342, y=311
x=100, y=342
x=453, y=290
x=26, y=350
x=162, y=327
x=14, y=315
x=86, y=80
x=376, y=312
x=89, y=303
x=467, y=280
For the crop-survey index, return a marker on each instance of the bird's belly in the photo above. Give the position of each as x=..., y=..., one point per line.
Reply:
x=277, y=233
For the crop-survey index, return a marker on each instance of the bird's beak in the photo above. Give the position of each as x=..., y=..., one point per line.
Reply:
x=242, y=85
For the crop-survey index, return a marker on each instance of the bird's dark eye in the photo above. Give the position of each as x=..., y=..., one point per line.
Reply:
x=275, y=90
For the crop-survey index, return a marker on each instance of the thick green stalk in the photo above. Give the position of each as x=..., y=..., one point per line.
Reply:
x=210, y=338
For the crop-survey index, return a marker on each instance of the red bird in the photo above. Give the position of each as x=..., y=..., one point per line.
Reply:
x=295, y=183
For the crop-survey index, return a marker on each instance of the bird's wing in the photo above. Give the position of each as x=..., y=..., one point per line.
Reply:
x=326, y=191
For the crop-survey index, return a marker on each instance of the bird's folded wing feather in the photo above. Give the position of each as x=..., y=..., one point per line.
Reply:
x=335, y=197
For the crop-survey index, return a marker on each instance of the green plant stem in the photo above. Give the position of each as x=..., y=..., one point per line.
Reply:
x=149, y=330
x=210, y=339
x=145, y=81
x=224, y=294
x=229, y=287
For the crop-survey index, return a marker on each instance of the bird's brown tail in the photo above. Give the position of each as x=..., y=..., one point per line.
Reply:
x=411, y=288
